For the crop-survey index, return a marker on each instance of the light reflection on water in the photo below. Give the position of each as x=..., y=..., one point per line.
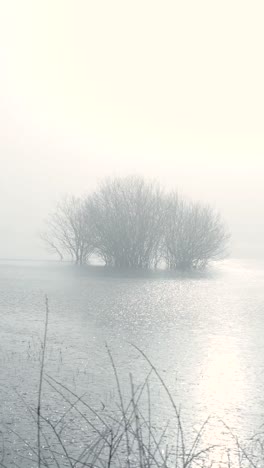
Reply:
x=222, y=373
x=204, y=334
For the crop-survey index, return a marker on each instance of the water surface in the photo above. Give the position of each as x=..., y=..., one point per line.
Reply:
x=203, y=333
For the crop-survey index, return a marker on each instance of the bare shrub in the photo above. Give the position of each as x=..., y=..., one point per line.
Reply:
x=127, y=216
x=69, y=231
x=194, y=234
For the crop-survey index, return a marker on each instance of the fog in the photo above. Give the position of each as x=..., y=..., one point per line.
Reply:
x=169, y=90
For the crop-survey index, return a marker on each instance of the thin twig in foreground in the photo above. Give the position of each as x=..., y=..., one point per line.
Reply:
x=41, y=380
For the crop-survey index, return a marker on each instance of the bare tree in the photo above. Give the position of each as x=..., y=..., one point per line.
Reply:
x=127, y=217
x=193, y=234
x=68, y=230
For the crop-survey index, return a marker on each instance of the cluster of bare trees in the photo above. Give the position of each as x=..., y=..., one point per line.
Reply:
x=131, y=223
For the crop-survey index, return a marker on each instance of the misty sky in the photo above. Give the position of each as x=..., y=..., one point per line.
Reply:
x=169, y=89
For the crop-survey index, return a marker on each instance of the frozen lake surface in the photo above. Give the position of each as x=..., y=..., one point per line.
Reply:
x=204, y=334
